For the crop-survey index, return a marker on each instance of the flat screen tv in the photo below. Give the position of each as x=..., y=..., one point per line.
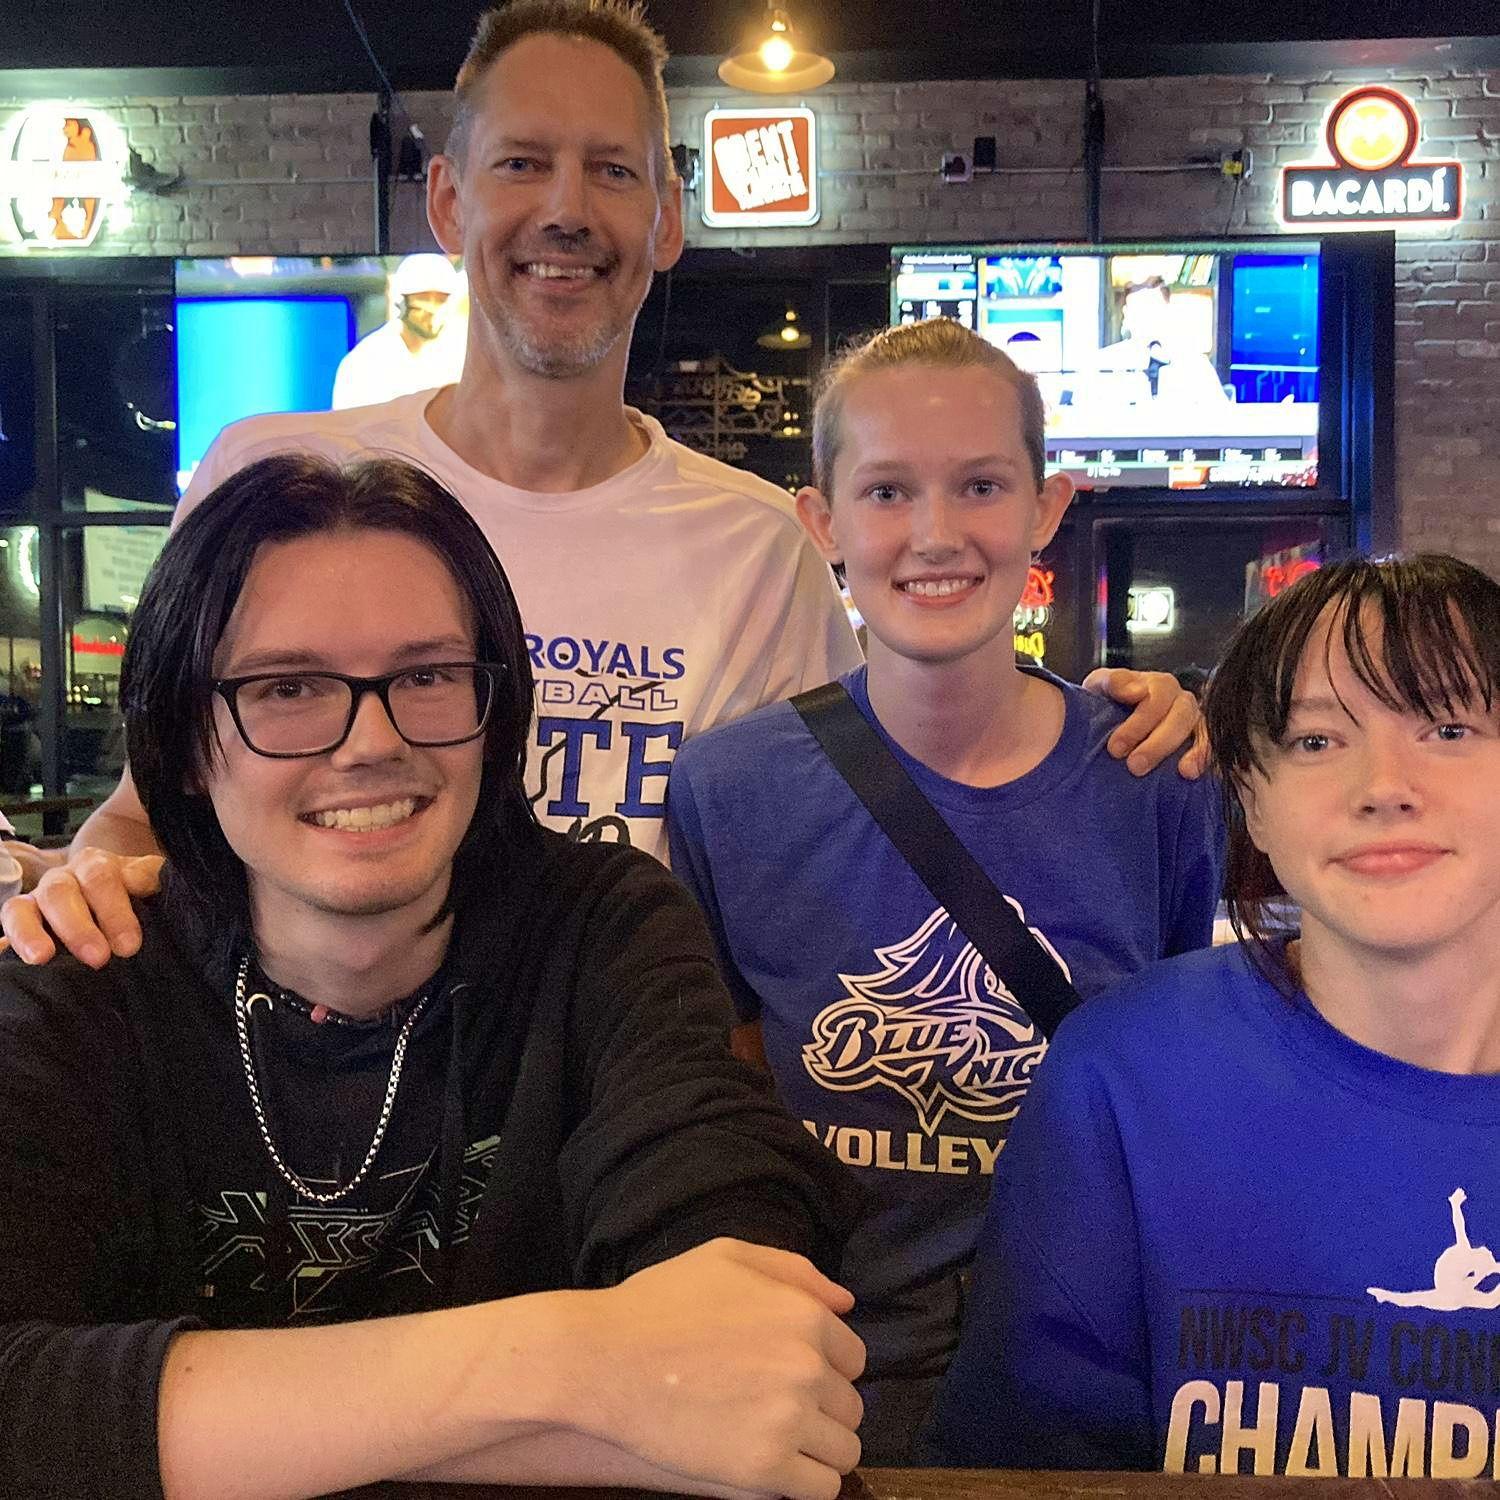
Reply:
x=1212, y=367
x=262, y=334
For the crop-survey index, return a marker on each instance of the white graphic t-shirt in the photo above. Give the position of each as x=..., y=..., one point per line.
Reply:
x=679, y=594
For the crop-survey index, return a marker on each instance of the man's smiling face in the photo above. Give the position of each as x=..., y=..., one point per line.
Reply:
x=555, y=205
x=372, y=826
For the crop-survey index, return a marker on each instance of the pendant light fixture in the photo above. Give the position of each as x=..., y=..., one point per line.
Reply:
x=788, y=336
x=772, y=62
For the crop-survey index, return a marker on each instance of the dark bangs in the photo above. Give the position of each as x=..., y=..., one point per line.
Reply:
x=1422, y=634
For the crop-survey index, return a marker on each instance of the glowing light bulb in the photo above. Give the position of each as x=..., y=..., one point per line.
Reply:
x=777, y=53
x=789, y=334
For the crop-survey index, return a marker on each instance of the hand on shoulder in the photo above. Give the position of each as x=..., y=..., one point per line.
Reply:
x=1164, y=718
x=82, y=901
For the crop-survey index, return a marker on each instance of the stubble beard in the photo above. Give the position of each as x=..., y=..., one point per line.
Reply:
x=557, y=357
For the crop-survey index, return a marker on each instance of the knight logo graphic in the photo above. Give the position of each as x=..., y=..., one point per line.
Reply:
x=934, y=1024
x=1370, y=135
x=61, y=175
x=762, y=167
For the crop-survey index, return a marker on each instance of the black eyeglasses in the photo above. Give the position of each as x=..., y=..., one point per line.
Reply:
x=285, y=715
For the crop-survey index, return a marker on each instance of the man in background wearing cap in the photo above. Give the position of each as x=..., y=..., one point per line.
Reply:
x=663, y=592
x=418, y=349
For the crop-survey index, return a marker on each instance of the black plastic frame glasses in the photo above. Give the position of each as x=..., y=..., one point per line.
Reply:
x=487, y=673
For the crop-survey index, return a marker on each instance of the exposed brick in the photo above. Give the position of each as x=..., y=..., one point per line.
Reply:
x=1453, y=88
x=241, y=110
x=1248, y=114
x=893, y=197
x=184, y=114
x=149, y=139
x=1434, y=131
x=1282, y=133
x=1292, y=111
x=843, y=159
x=297, y=152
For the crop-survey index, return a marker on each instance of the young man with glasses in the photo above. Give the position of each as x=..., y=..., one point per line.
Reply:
x=409, y=1143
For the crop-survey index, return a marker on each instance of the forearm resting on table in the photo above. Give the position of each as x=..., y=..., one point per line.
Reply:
x=726, y=1371
x=549, y=1456
x=296, y=1412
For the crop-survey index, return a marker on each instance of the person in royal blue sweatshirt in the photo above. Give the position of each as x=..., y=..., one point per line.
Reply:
x=1243, y=1223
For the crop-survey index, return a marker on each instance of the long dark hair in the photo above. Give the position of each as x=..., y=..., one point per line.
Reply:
x=167, y=674
x=1421, y=633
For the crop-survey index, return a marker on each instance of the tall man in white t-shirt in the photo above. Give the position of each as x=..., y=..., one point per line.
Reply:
x=662, y=592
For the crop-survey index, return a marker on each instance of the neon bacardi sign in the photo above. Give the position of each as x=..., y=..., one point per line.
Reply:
x=1370, y=178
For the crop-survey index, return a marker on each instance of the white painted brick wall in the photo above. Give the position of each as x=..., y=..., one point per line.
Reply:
x=292, y=173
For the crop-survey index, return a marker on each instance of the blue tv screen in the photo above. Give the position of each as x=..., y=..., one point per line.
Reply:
x=240, y=356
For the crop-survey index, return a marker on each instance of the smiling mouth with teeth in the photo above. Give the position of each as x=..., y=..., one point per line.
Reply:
x=936, y=588
x=546, y=271
x=366, y=819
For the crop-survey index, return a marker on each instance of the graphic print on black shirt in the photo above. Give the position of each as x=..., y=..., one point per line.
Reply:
x=336, y=1248
x=575, y=1116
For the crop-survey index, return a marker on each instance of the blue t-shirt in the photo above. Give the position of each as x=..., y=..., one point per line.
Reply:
x=1226, y=1238
x=886, y=1032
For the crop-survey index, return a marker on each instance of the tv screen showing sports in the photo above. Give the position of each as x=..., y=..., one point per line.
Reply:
x=262, y=334
x=1186, y=368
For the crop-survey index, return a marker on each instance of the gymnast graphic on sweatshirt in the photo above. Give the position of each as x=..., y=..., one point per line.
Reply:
x=1459, y=1274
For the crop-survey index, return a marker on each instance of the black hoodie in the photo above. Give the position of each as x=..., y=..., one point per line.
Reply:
x=567, y=1113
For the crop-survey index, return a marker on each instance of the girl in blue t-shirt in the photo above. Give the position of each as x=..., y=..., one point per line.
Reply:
x=1244, y=1224
x=887, y=1033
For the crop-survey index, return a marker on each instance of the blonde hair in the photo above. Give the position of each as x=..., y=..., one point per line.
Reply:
x=937, y=342
x=619, y=25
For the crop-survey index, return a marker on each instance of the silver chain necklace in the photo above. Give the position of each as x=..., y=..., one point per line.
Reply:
x=242, y=1025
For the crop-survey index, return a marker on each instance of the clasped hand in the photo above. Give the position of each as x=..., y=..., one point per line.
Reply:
x=728, y=1364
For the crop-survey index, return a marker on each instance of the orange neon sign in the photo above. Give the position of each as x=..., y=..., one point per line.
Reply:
x=1038, y=593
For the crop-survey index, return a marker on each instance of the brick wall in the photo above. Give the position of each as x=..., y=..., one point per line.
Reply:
x=291, y=173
